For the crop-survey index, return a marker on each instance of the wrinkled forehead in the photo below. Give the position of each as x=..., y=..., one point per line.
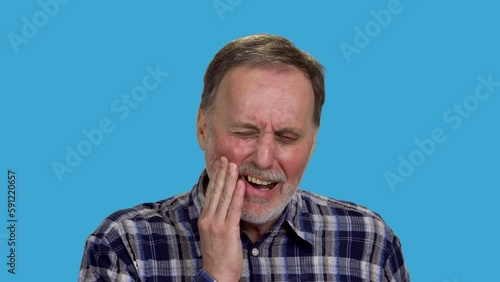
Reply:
x=277, y=90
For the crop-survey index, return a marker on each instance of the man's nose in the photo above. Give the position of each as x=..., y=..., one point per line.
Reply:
x=265, y=150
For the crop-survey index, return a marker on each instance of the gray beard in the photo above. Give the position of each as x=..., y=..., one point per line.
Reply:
x=270, y=213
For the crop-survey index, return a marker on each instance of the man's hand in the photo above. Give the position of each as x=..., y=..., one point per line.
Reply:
x=219, y=223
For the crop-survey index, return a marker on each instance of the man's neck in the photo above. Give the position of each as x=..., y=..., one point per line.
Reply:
x=255, y=231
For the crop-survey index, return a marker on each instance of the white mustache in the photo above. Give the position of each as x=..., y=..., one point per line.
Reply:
x=268, y=175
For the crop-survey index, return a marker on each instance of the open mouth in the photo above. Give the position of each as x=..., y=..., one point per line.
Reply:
x=260, y=184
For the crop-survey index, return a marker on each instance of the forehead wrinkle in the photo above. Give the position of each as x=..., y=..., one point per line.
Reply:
x=278, y=117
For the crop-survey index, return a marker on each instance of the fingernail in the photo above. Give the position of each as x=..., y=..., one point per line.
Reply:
x=223, y=161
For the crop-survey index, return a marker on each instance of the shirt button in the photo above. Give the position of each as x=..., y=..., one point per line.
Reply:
x=255, y=252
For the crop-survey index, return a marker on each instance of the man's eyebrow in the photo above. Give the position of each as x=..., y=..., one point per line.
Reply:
x=244, y=125
x=253, y=126
x=284, y=130
x=291, y=130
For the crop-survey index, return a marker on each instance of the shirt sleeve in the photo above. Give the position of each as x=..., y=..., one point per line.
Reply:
x=103, y=261
x=395, y=268
x=203, y=276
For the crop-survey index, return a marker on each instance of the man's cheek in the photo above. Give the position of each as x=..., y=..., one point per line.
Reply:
x=236, y=149
x=295, y=164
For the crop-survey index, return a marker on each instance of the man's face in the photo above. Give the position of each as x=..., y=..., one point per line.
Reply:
x=262, y=120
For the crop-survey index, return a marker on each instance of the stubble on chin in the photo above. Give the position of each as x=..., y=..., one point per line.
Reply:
x=266, y=213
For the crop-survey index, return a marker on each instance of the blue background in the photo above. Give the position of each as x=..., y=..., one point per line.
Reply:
x=396, y=89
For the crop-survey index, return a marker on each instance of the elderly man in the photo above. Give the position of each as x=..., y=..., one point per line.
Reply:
x=246, y=219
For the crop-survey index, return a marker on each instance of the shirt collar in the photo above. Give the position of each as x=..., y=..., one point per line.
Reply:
x=296, y=214
x=298, y=217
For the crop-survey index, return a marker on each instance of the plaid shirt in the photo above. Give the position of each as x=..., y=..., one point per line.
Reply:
x=316, y=239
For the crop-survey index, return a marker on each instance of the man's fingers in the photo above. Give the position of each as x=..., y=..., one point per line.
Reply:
x=227, y=194
x=215, y=188
x=219, y=223
x=234, y=210
x=224, y=195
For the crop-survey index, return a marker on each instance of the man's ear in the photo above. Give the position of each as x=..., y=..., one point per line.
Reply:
x=202, y=129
